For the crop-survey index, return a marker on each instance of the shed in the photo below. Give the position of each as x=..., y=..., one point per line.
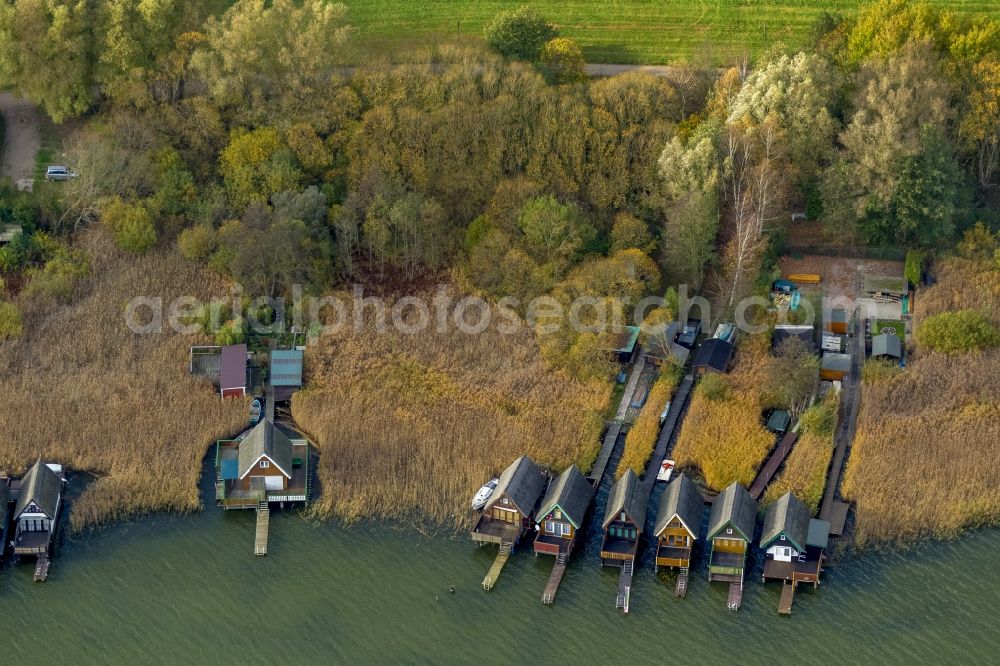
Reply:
x=778, y=421
x=689, y=334
x=837, y=321
x=887, y=345
x=663, y=346
x=834, y=367
x=233, y=370
x=819, y=533
x=626, y=344
x=786, y=331
x=41, y=489
x=286, y=372
x=713, y=355
x=834, y=343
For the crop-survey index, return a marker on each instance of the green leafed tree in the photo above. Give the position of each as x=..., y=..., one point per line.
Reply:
x=563, y=60
x=519, y=33
x=130, y=223
x=256, y=165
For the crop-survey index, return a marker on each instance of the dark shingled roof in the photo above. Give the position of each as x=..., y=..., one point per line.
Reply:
x=265, y=438
x=887, y=344
x=788, y=516
x=736, y=508
x=571, y=492
x=42, y=486
x=233, y=367
x=627, y=495
x=683, y=500
x=715, y=354
x=522, y=482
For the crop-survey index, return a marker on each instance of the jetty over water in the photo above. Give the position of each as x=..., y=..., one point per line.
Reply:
x=772, y=465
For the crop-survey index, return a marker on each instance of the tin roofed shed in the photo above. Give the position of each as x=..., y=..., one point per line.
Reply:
x=233, y=370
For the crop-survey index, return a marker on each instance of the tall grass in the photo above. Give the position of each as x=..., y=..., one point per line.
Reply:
x=82, y=390
x=411, y=425
x=723, y=435
x=923, y=460
x=641, y=439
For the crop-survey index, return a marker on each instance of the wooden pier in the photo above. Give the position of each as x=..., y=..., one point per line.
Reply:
x=263, y=522
x=624, y=586
x=552, y=587
x=770, y=467
x=681, y=590
x=735, y=596
x=787, y=594
x=494, y=573
x=42, y=568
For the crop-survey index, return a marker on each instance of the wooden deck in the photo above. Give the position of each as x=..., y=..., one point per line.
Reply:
x=260, y=538
x=42, y=568
x=601, y=464
x=552, y=586
x=681, y=588
x=735, y=596
x=494, y=573
x=838, y=517
x=787, y=594
x=772, y=465
x=624, y=586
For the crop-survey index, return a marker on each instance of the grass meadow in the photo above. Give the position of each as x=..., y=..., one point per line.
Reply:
x=84, y=391
x=704, y=32
x=409, y=426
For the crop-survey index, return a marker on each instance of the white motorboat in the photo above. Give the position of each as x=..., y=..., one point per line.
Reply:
x=483, y=496
x=666, y=469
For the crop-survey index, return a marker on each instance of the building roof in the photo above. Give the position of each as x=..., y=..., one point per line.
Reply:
x=714, y=353
x=779, y=421
x=819, y=533
x=233, y=367
x=875, y=284
x=627, y=496
x=522, y=482
x=42, y=486
x=838, y=315
x=625, y=339
x=683, y=500
x=836, y=362
x=788, y=516
x=784, y=332
x=733, y=507
x=266, y=439
x=571, y=493
x=286, y=367
x=887, y=344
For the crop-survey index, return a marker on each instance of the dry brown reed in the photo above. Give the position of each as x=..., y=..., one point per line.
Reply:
x=409, y=426
x=723, y=437
x=81, y=389
x=641, y=438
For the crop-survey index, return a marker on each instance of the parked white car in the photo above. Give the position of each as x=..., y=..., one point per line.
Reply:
x=59, y=173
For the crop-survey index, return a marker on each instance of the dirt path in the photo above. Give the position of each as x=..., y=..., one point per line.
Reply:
x=22, y=137
x=598, y=69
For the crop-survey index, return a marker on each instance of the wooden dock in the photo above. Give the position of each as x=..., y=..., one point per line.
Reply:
x=552, y=587
x=787, y=594
x=601, y=464
x=838, y=517
x=681, y=590
x=624, y=586
x=667, y=432
x=494, y=573
x=263, y=522
x=772, y=465
x=42, y=568
x=735, y=596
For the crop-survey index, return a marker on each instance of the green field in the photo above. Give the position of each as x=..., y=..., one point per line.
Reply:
x=624, y=31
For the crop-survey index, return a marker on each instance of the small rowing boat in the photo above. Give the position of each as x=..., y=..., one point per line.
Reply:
x=666, y=469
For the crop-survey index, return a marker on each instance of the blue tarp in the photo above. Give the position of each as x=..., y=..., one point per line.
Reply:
x=230, y=469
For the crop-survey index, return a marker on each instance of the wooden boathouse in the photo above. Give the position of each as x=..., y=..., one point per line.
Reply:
x=36, y=515
x=678, y=523
x=624, y=520
x=508, y=513
x=559, y=521
x=794, y=546
x=730, y=532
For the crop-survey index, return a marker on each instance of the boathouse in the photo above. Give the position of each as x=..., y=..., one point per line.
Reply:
x=626, y=344
x=36, y=513
x=678, y=523
x=714, y=355
x=888, y=346
x=508, y=513
x=285, y=372
x=560, y=516
x=624, y=520
x=233, y=371
x=837, y=321
x=793, y=543
x=834, y=367
x=265, y=466
x=730, y=532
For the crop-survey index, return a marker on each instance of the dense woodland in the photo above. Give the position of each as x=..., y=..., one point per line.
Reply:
x=245, y=137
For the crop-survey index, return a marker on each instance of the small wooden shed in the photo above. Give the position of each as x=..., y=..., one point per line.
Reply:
x=838, y=321
x=835, y=367
x=233, y=370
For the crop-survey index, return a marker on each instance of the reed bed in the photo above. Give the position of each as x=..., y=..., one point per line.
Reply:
x=805, y=470
x=84, y=391
x=641, y=438
x=409, y=426
x=723, y=436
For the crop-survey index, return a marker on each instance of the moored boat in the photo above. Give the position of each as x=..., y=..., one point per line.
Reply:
x=666, y=469
x=483, y=495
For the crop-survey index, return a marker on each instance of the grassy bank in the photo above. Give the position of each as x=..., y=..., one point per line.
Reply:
x=922, y=461
x=414, y=424
x=638, y=31
x=84, y=391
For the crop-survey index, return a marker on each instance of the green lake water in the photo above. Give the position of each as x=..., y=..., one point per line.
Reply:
x=188, y=589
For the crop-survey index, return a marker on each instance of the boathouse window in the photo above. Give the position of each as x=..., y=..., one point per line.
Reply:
x=782, y=537
x=264, y=464
x=729, y=530
x=623, y=517
x=550, y=527
x=564, y=529
x=557, y=514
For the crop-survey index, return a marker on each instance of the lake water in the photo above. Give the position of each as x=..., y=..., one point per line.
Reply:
x=174, y=589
